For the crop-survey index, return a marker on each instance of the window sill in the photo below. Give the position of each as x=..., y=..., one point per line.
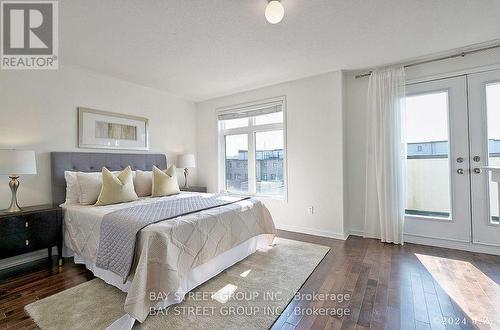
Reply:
x=259, y=197
x=424, y=218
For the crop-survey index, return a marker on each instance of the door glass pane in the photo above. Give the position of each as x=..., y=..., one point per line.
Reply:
x=269, y=163
x=237, y=163
x=428, y=170
x=493, y=114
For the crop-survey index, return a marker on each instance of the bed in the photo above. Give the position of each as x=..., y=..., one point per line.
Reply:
x=171, y=257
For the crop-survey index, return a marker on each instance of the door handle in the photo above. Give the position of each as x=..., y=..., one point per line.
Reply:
x=477, y=170
x=460, y=171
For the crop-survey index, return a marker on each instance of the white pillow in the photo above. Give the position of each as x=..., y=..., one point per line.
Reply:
x=143, y=183
x=90, y=185
x=72, y=188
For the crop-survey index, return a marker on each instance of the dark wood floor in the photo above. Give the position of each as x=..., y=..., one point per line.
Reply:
x=387, y=286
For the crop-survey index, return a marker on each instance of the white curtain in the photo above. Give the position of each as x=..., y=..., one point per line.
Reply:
x=386, y=156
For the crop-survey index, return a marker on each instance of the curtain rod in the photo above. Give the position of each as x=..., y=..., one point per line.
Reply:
x=462, y=54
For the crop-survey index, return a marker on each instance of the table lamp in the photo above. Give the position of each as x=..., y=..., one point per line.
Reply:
x=14, y=163
x=186, y=161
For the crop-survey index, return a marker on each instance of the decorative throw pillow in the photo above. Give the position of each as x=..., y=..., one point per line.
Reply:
x=116, y=188
x=90, y=185
x=72, y=188
x=165, y=182
x=143, y=183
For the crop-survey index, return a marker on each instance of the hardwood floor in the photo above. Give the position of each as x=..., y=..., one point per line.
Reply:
x=394, y=287
x=375, y=286
x=24, y=285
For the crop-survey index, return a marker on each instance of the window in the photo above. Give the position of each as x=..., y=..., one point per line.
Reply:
x=252, y=145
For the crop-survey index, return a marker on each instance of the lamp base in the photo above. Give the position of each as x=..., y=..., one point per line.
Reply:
x=13, y=209
x=186, y=178
x=13, y=184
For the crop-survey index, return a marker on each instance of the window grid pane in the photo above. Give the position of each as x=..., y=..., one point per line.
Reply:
x=269, y=157
x=235, y=123
x=236, y=163
x=271, y=118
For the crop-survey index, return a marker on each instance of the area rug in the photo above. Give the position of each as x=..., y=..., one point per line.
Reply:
x=249, y=295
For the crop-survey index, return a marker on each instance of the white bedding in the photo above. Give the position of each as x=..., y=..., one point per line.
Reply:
x=82, y=223
x=234, y=231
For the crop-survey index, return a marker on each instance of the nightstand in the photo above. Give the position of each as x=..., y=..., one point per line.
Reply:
x=34, y=228
x=194, y=189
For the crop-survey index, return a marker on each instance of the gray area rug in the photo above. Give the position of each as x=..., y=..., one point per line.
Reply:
x=249, y=295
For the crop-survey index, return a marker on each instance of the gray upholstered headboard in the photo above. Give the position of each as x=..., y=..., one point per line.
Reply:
x=94, y=162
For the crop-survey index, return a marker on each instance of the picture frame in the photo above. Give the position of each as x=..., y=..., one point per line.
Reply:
x=109, y=130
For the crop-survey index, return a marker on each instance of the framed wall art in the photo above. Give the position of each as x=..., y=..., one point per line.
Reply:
x=109, y=130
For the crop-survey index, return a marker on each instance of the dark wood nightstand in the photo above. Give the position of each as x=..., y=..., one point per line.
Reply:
x=194, y=189
x=32, y=229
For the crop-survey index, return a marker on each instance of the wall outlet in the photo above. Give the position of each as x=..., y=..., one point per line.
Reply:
x=310, y=210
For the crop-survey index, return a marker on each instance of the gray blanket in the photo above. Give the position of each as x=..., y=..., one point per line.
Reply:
x=119, y=228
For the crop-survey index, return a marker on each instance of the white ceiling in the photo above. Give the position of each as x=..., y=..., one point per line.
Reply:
x=200, y=49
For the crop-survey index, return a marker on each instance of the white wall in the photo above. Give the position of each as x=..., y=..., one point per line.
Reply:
x=356, y=116
x=38, y=111
x=355, y=147
x=314, y=151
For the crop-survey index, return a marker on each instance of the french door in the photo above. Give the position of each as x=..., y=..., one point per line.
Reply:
x=453, y=146
x=437, y=168
x=484, y=123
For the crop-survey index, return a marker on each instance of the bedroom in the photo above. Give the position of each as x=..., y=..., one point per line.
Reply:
x=279, y=101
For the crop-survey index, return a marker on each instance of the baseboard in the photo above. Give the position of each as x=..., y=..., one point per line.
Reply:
x=452, y=244
x=357, y=233
x=310, y=231
x=24, y=258
x=442, y=242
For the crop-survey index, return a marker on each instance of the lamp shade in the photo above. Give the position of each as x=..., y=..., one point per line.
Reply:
x=16, y=162
x=185, y=161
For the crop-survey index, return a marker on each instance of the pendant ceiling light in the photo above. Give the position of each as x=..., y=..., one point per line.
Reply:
x=274, y=12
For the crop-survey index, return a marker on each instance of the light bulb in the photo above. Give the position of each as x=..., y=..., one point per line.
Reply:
x=274, y=12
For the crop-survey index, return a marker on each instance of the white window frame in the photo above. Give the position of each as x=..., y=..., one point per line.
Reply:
x=250, y=130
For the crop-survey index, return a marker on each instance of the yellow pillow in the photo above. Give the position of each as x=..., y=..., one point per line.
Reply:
x=116, y=188
x=165, y=183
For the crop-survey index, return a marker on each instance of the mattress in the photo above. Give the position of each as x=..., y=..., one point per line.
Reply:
x=167, y=252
